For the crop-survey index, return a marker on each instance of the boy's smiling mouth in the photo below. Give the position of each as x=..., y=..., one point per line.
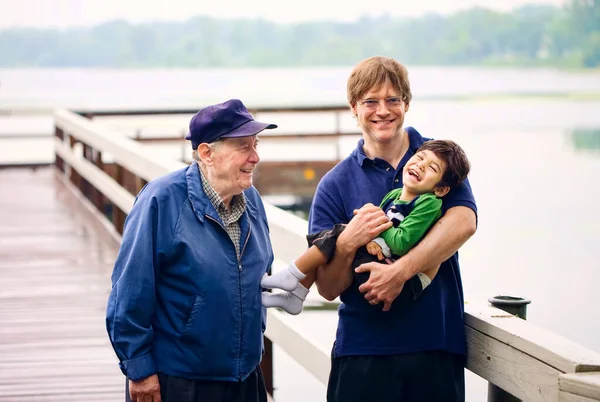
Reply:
x=415, y=174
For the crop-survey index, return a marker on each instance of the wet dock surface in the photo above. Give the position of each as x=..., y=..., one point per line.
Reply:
x=54, y=282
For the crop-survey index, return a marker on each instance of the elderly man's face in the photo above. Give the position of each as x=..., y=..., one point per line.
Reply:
x=234, y=162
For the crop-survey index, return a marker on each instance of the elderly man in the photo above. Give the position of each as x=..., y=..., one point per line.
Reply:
x=184, y=315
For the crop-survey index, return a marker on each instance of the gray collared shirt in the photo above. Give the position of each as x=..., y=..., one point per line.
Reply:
x=230, y=217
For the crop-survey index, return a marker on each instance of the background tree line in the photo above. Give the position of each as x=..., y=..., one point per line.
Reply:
x=531, y=35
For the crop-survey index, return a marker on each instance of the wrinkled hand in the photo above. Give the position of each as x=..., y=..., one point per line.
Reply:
x=384, y=283
x=368, y=222
x=375, y=249
x=146, y=390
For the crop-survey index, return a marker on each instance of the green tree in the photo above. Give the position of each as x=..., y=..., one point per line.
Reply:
x=531, y=34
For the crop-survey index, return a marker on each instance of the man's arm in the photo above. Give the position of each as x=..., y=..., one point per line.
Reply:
x=132, y=300
x=449, y=233
x=335, y=277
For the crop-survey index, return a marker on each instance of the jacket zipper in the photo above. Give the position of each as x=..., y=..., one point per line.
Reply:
x=239, y=261
x=240, y=292
x=245, y=243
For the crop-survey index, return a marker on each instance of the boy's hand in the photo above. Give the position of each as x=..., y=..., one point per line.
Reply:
x=375, y=249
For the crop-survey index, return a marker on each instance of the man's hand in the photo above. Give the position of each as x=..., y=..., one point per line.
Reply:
x=368, y=222
x=335, y=277
x=146, y=390
x=375, y=249
x=384, y=285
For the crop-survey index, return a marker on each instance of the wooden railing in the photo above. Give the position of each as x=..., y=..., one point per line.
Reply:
x=166, y=129
x=526, y=361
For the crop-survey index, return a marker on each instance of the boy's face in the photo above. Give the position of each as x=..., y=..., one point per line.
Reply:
x=423, y=172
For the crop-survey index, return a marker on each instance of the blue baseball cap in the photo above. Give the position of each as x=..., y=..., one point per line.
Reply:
x=224, y=120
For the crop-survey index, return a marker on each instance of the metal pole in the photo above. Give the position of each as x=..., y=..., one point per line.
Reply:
x=516, y=306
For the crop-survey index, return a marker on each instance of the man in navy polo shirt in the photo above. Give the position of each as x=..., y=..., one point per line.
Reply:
x=415, y=353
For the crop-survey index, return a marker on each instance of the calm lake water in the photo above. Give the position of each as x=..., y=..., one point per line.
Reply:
x=536, y=164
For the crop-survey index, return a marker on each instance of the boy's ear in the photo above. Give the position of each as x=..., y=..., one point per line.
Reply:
x=441, y=191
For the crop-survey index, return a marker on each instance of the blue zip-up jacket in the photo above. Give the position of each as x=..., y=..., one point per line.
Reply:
x=181, y=302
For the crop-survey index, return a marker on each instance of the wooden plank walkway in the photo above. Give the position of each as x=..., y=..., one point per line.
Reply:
x=54, y=281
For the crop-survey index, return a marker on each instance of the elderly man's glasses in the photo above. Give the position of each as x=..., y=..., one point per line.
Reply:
x=391, y=102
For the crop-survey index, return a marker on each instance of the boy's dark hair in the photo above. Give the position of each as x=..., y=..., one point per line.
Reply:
x=457, y=163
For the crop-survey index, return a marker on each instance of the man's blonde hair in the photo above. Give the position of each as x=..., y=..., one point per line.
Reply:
x=375, y=72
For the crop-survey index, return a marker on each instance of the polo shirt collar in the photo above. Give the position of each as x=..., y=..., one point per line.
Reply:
x=414, y=142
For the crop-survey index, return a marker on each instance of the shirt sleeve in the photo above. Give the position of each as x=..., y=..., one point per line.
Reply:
x=132, y=300
x=426, y=211
x=460, y=196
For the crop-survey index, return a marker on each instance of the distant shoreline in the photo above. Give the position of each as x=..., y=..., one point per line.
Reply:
x=8, y=108
x=533, y=96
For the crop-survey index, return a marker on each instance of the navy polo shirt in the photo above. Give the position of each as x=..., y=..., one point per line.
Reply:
x=435, y=320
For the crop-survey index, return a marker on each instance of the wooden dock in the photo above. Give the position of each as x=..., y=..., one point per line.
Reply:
x=54, y=283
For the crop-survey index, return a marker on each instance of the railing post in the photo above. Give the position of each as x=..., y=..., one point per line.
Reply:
x=118, y=216
x=58, y=133
x=86, y=188
x=516, y=306
x=74, y=175
x=266, y=365
x=98, y=197
x=139, y=184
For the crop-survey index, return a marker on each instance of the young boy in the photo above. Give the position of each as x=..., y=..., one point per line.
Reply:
x=436, y=167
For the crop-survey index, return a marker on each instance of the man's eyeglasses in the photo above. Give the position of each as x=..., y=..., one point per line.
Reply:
x=391, y=102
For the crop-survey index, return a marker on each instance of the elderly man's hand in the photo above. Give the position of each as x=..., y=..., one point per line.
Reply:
x=146, y=390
